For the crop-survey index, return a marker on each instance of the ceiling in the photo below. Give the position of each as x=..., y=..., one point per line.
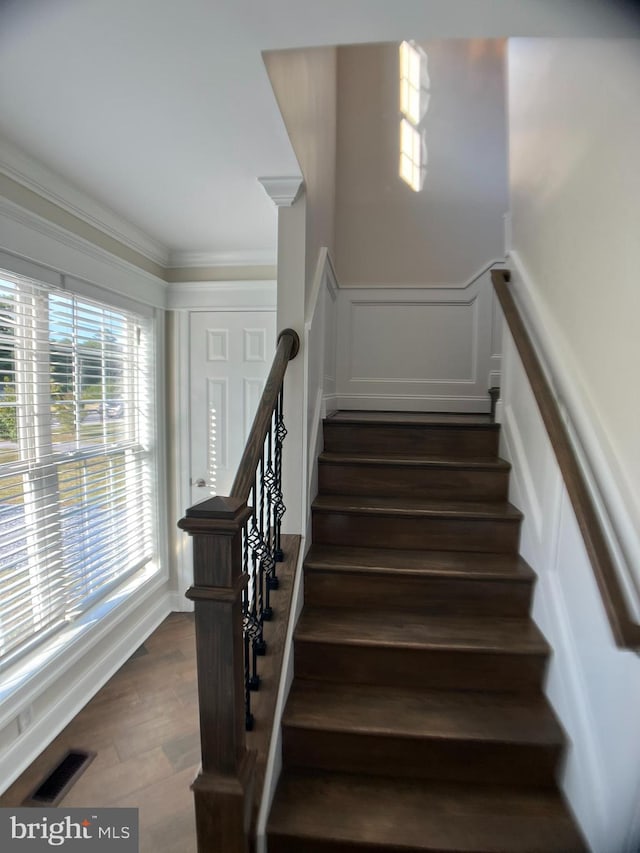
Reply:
x=162, y=112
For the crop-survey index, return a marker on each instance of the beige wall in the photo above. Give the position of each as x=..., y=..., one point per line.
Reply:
x=575, y=178
x=304, y=82
x=261, y=272
x=385, y=232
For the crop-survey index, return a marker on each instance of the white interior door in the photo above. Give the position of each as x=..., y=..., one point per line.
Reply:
x=230, y=356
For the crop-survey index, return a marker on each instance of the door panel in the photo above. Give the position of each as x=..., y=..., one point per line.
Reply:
x=230, y=356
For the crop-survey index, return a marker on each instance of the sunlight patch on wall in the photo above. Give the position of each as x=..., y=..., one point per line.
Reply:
x=414, y=103
x=411, y=159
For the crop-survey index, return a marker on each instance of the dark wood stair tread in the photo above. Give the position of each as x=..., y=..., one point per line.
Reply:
x=419, y=713
x=365, y=504
x=406, y=629
x=449, y=564
x=403, y=460
x=318, y=811
x=416, y=719
x=477, y=421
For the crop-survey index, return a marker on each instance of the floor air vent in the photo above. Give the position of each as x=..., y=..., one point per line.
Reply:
x=61, y=778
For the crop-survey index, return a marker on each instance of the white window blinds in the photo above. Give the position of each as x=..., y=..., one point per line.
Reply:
x=76, y=456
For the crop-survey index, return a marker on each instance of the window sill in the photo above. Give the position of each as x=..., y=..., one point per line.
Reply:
x=37, y=671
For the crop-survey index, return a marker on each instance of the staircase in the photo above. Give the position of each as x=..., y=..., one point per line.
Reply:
x=416, y=720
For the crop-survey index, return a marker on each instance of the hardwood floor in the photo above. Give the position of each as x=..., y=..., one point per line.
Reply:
x=143, y=725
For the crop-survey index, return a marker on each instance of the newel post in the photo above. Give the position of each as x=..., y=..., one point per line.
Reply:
x=223, y=789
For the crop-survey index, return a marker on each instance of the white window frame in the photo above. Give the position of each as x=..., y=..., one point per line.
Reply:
x=53, y=643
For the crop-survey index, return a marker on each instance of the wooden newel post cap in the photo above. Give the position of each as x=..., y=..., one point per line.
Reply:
x=215, y=515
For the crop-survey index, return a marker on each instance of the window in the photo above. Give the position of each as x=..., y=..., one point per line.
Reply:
x=76, y=456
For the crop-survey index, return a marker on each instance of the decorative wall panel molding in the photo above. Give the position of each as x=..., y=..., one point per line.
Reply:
x=591, y=684
x=429, y=349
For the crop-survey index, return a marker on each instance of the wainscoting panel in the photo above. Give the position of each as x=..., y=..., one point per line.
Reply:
x=434, y=341
x=417, y=349
x=593, y=686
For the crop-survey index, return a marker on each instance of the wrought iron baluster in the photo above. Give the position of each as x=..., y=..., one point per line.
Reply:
x=259, y=545
x=248, y=716
x=279, y=507
x=270, y=482
x=258, y=645
x=266, y=561
x=254, y=623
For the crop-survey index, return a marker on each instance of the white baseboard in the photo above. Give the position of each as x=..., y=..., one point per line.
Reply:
x=330, y=403
x=80, y=685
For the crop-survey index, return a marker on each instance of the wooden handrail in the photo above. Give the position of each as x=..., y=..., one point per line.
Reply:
x=625, y=630
x=230, y=608
x=287, y=349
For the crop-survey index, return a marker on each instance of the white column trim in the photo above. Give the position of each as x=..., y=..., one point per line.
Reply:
x=282, y=190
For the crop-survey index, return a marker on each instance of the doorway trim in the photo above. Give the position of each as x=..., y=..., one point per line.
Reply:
x=183, y=299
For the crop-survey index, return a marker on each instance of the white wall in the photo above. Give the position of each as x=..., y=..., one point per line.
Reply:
x=385, y=232
x=304, y=82
x=593, y=686
x=574, y=139
x=574, y=109
x=290, y=314
x=320, y=336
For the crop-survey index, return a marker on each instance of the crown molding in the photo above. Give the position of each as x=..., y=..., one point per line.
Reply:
x=39, y=179
x=105, y=269
x=243, y=258
x=283, y=190
x=35, y=176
